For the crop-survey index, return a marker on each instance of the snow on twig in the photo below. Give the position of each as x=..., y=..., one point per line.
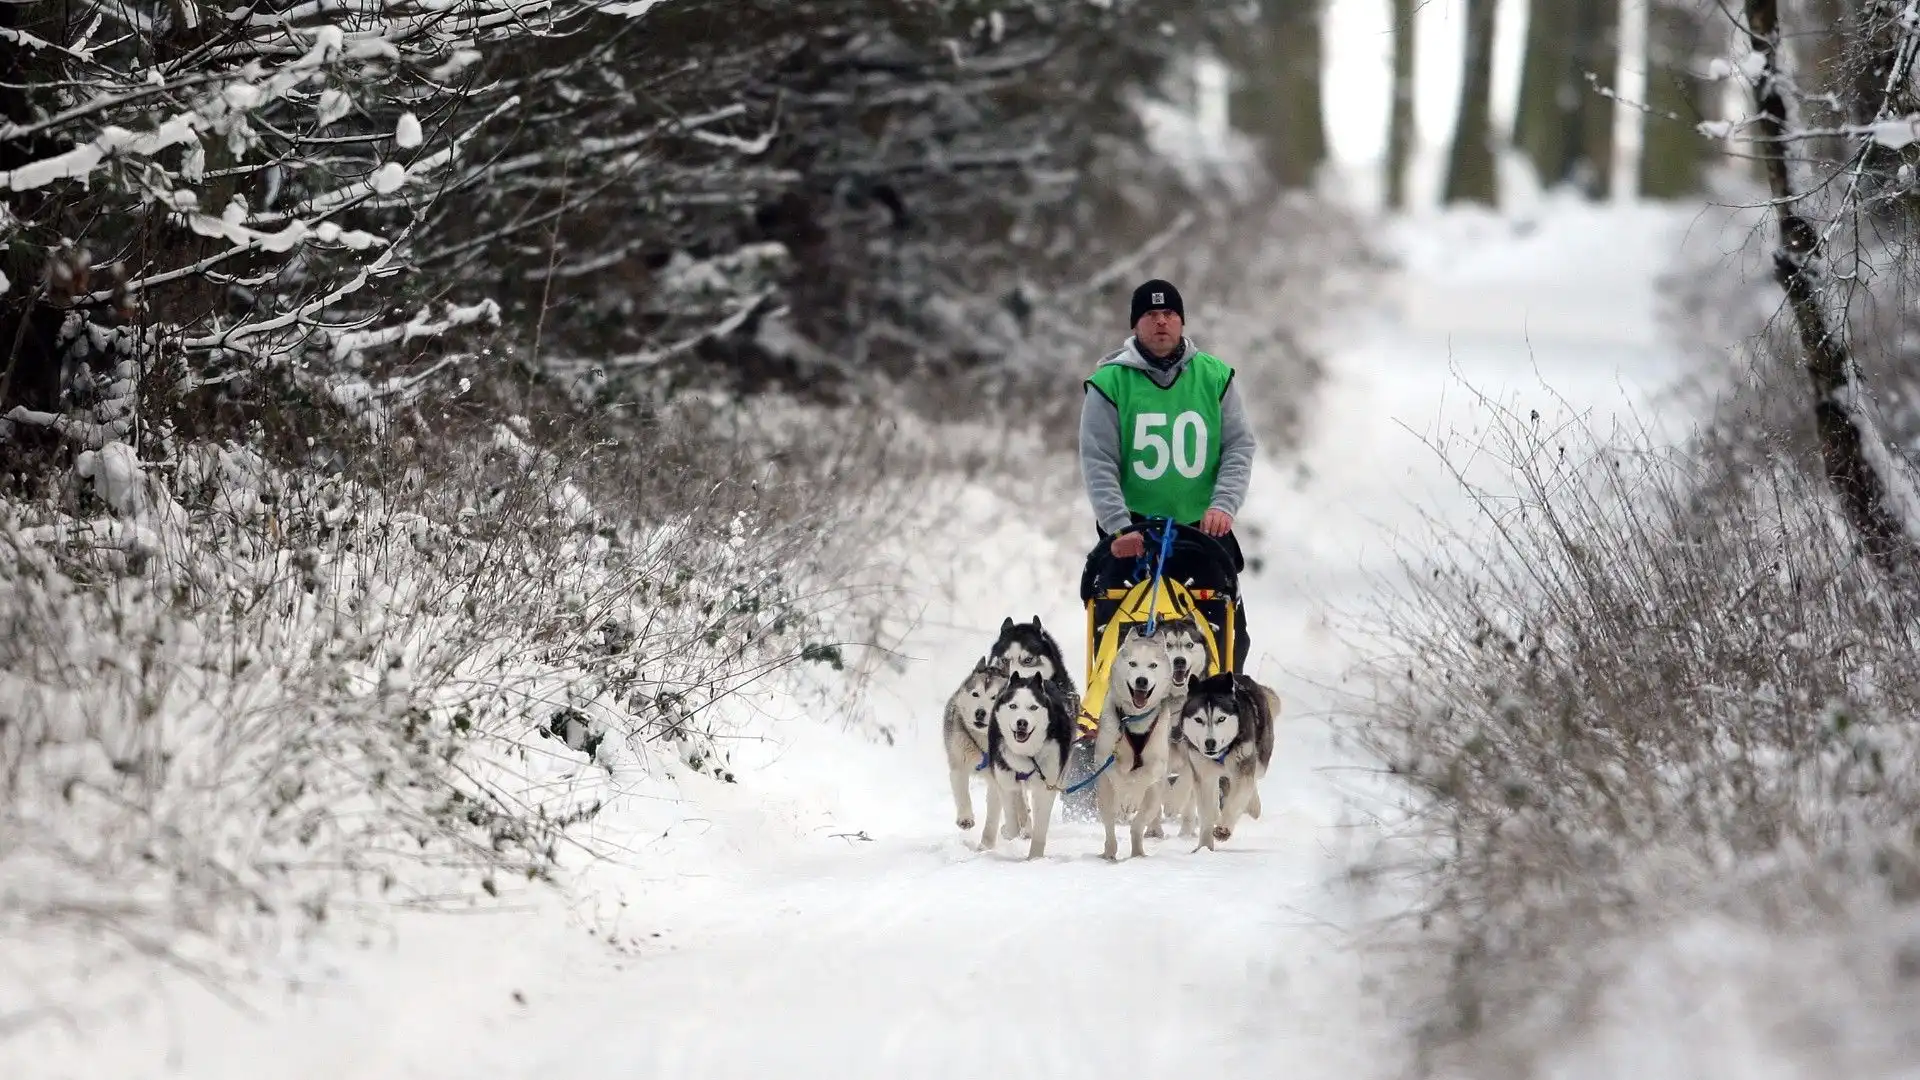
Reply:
x=422, y=325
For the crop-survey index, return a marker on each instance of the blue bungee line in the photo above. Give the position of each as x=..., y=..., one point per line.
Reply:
x=1088, y=782
x=1159, y=571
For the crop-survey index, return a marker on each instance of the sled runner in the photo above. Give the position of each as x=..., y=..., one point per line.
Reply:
x=1196, y=579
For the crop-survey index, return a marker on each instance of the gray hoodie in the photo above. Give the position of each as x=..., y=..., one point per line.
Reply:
x=1100, y=441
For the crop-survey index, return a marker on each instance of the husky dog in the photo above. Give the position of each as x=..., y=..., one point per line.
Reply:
x=1190, y=659
x=1187, y=646
x=1027, y=741
x=964, y=730
x=1224, y=746
x=1142, y=705
x=1028, y=649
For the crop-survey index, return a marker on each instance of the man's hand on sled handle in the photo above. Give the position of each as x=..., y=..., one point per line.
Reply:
x=1128, y=545
x=1216, y=523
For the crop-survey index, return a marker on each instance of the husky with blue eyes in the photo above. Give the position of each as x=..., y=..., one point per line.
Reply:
x=1223, y=749
x=1028, y=738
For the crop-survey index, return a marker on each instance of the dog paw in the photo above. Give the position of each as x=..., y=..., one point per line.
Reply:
x=1156, y=832
x=965, y=822
x=1221, y=832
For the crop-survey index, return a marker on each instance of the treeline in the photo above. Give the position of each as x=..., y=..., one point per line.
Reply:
x=1563, y=116
x=268, y=203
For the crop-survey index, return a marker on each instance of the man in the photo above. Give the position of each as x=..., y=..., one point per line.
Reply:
x=1163, y=433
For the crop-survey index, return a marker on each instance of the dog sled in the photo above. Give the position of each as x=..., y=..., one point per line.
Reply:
x=1183, y=574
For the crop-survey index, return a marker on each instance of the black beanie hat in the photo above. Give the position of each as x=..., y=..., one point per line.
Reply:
x=1154, y=295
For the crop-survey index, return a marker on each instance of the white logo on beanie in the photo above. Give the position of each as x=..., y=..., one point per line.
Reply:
x=1159, y=298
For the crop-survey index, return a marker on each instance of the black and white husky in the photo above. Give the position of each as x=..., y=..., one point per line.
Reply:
x=1142, y=705
x=1028, y=649
x=1223, y=748
x=964, y=731
x=1027, y=742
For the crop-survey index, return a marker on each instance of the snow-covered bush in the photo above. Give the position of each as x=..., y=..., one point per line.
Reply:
x=239, y=700
x=1649, y=687
x=244, y=179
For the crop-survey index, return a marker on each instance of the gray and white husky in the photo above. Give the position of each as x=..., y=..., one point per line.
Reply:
x=1028, y=649
x=1190, y=660
x=1027, y=742
x=964, y=731
x=1187, y=646
x=1223, y=748
x=1142, y=705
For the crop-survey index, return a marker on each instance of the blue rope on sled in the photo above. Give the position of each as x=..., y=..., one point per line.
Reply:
x=1159, y=572
x=1088, y=782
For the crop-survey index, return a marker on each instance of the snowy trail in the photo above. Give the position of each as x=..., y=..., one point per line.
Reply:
x=907, y=955
x=912, y=951
x=824, y=917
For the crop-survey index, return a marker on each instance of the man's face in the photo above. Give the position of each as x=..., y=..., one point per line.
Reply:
x=1159, y=330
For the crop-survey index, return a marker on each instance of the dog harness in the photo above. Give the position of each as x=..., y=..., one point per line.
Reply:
x=1023, y=776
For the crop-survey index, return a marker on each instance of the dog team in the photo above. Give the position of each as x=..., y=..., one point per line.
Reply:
x=1167, y=734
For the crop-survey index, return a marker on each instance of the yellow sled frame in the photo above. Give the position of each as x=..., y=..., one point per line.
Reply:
x=1137, y=602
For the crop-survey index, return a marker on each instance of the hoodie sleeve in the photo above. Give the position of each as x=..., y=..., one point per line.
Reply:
x=1237, y=448
x=1100, y=461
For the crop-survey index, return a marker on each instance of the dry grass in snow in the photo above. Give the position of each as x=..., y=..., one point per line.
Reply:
x=1650, y=697
x=239, y=702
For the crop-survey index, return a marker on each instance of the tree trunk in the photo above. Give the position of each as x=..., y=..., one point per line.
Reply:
x=1470, y=172
x=1400, y=129
x=1843, y=431
x=1596, y=56
x=1546, y=109
x=1564, y=125
x=1673, y=152
x=1277, y=94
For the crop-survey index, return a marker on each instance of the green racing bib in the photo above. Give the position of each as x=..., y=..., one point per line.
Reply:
x=1169, y=439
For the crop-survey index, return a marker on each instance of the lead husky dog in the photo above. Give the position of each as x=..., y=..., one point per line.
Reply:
x=964, y=730
x=1141, y=708
x=1028, y=649
x=1027, y=741
x=1225, y=741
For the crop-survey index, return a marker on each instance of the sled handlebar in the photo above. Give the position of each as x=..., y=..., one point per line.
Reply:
x=1188, y=536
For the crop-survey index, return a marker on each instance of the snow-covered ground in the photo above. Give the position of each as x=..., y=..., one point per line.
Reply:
x=824, y=917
